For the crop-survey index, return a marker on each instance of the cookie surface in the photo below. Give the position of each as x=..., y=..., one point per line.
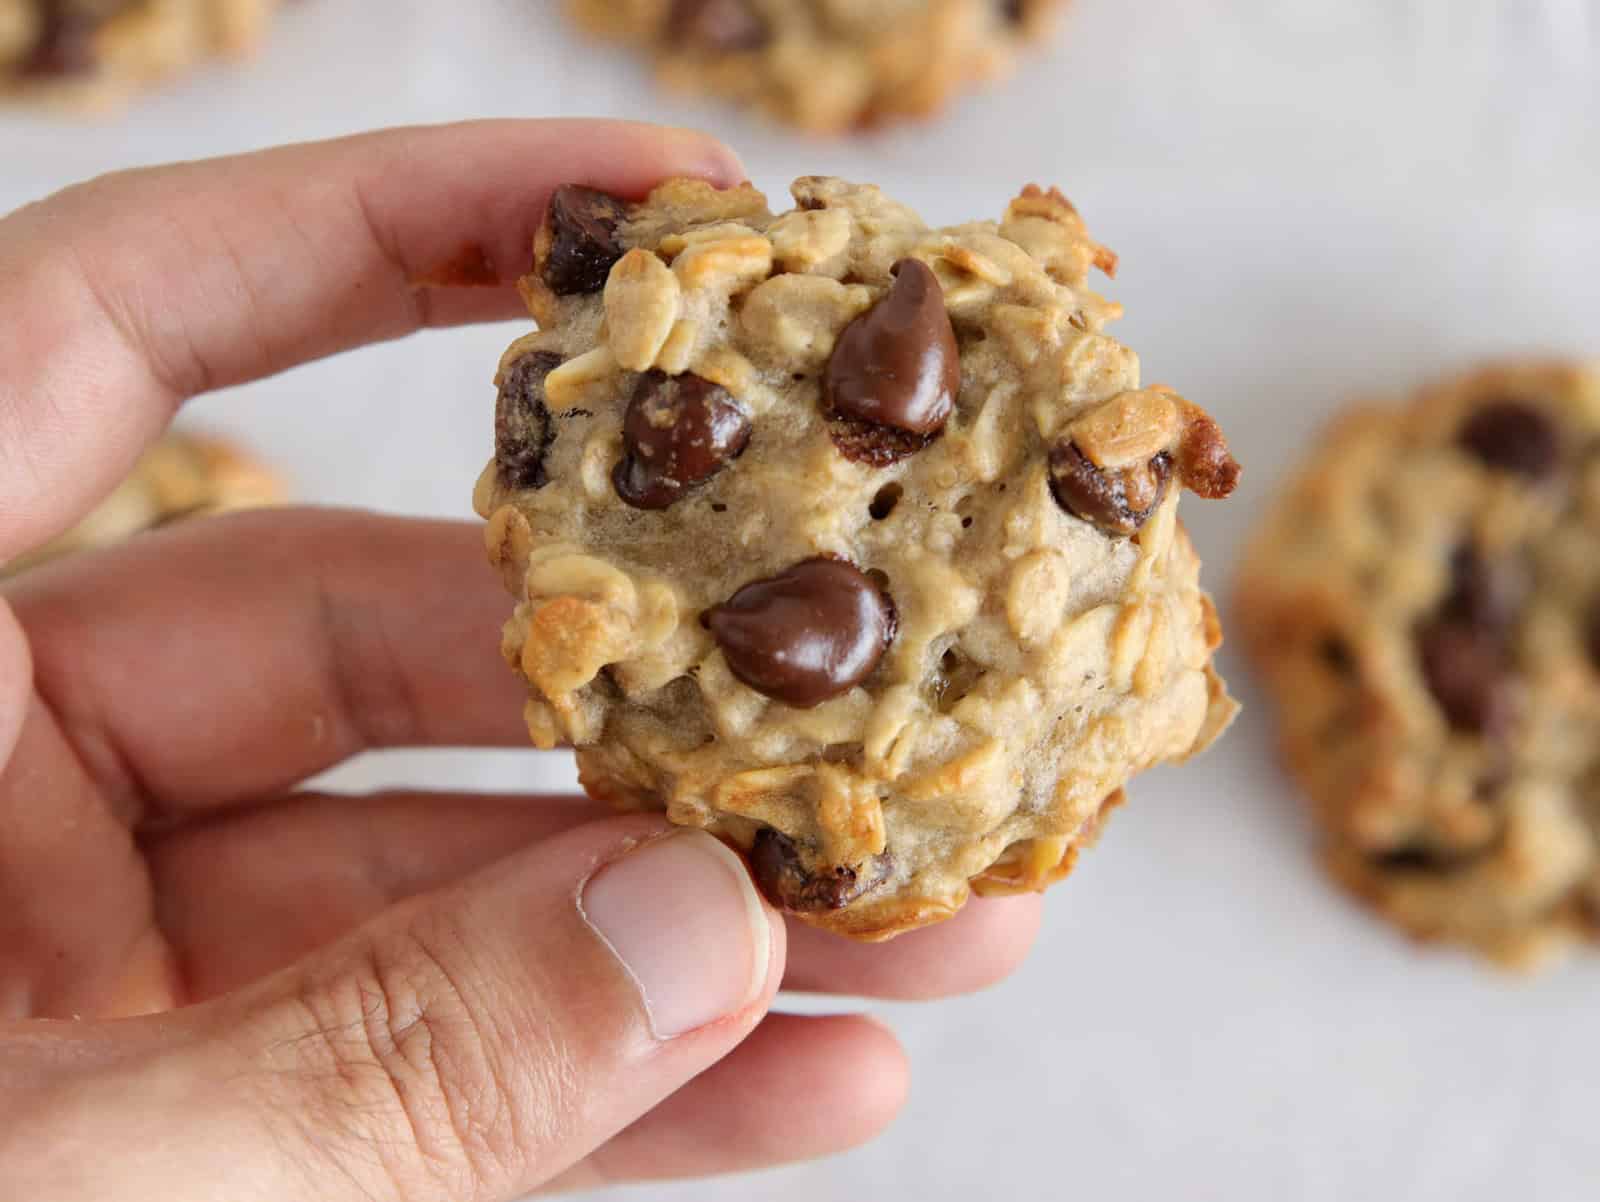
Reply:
x=850, y=540
x=95, y=53
x=1424, y=601
x=826, y=65
x=182, y=476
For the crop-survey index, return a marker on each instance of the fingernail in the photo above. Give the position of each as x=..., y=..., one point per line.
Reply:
x=687, y=923
x=718, y=162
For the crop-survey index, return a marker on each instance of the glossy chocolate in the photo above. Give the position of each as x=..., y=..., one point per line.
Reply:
x=898, y=365
x=584, y=240
x=679, y=432
x=1119, y=502
x=776, y=865
x=807, y=635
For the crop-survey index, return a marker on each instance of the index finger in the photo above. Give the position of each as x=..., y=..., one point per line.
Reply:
x=127, y=295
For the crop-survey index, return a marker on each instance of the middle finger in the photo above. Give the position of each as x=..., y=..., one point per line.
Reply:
x=217, y=662
x=251, y=891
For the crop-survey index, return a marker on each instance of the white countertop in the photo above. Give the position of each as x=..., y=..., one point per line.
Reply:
x=1312, y=198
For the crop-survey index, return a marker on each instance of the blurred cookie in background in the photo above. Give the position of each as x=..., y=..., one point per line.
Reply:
x=1424, y=602
x=183, y=476
x=827, y=66
x=94, y=54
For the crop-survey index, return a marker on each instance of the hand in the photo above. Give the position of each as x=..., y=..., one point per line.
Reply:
x=212, y=984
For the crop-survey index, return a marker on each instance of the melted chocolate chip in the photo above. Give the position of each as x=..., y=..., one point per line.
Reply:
x=583, y=244
x=1119, y=502
x=523, y=427
x=1467, y=673
x=1513, y=436
x=680, y=431
x=781, y=874
x=725, y=26
x=1013, y=11
x=808, y=634
x=1465, y=648
x=898, y=365
x=1592, y=632
x=1336, y=653
x=1418, y=859
x=65, y=43
x=1485, y=593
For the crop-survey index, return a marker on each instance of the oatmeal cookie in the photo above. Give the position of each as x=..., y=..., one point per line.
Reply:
x=1424, y=601
x=94, y=53
x=182, y=476
x=826, y=65
x=850, y=540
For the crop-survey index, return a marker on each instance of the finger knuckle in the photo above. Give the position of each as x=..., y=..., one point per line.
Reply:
x=426, y=1079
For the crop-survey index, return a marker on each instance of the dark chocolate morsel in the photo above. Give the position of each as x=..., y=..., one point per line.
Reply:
x=1465, y=647
x=808, y=634
x=898, y=365
x=724, y=26
x=583, y=240
x=778, y=869
x=1120, y=501
x=1466, y=671
x=679, y=432
x=1335, y=651
x=1486, y=594
x=523, y=427
x=1513, y=436
x=1415, y=859
x=64, y=45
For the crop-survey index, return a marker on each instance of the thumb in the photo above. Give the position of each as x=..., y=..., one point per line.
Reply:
x=16, y=679
x=467, y=1046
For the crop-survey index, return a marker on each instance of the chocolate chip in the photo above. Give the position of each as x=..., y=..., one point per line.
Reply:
x=1592, y=632
x=523, y=428
x=781, y=874
x=582, y=240
x=1119, y=502
x=808, y=634
x=65, y=42
x=1335, y=652
x=1467, y=672
x=898, y=365
x=1465, y=647
x=1013, y=11
x=1417, y=859
x=1486, y=594
x=1513, y=436
x=726, y=26
x=680, y=431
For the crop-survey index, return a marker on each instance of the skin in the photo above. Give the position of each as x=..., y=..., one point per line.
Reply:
x=205, y=975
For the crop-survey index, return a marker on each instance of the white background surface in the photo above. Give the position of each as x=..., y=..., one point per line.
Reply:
x=1312, y=198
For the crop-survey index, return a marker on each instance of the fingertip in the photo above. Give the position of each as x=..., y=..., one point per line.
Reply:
x=978, y=948
x=846, y=1078
x=883, y=1085
x=718, y=163
x=1006, y=929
